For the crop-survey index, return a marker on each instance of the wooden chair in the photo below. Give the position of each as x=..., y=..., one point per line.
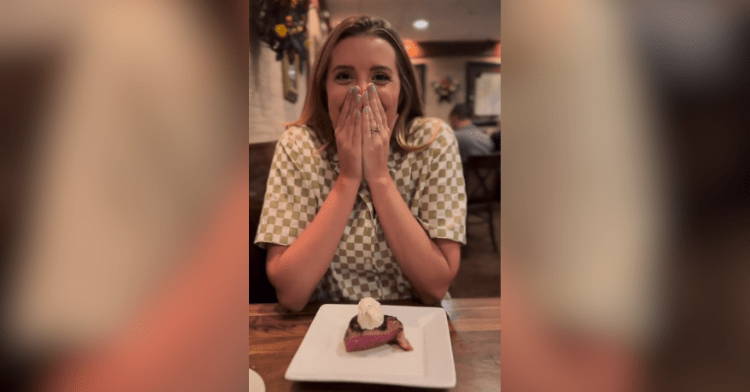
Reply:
x=261, y=290
x=482, y=177
x=495, y=137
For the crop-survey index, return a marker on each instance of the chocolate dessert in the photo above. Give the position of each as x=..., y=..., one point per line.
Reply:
x=391, y=331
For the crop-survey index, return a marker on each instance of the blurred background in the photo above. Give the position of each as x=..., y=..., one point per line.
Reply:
x=626, y=196
x=124, y=178
x=455, y=48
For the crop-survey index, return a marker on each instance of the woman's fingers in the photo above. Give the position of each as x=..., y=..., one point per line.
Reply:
x=356, y=114
x=376, y=106
x=370, y=122
x=356, y=125
x=350, y=106
x=346, y=109
x=366, y=125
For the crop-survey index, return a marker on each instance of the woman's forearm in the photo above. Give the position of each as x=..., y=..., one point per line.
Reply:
x=298, y=270
x=420, y=259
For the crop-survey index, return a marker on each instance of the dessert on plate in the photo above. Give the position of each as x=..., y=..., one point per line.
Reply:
x=370, y=328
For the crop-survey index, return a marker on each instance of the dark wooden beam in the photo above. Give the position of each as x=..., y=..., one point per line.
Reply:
x=456, y=48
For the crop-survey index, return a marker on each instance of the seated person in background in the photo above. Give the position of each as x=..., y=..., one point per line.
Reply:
x=471, y=140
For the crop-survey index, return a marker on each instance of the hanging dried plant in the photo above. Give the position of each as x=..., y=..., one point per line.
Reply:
x=281, y=24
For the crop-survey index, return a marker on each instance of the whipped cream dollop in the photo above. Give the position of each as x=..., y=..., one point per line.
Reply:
x=369, y=314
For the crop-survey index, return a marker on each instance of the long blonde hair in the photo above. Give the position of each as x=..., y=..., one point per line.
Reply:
x=315, y=112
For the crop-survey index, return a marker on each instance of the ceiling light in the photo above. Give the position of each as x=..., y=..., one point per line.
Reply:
x=420, y=24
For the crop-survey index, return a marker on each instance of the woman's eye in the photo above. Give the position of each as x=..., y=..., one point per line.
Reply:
x=382, y=78
x=342, y=76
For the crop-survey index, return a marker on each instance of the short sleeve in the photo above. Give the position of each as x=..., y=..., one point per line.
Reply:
x=442, y=193
x=289, y=204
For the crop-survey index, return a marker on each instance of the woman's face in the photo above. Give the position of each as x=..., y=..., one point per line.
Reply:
x=359, y=61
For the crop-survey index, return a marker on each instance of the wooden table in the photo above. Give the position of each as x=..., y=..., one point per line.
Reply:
x=474, y=323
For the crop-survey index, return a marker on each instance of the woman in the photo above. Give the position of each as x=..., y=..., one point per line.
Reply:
x=365, y=198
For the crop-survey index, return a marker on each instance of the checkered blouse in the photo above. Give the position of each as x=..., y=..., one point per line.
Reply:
x=430, y=181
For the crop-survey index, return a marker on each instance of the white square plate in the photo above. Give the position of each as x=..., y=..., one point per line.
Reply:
x=322, y=356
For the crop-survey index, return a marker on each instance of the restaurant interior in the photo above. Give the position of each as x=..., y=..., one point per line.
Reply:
x=454, y=47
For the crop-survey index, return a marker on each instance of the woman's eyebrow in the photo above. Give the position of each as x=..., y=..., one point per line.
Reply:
x=373, y=68
x=381, y=68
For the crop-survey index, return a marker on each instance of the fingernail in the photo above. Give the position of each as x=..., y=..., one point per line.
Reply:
x=367, y=109
x=352, y=90
x=358, y=113
x=372, y=87
x=358, y=98
x=367, y=95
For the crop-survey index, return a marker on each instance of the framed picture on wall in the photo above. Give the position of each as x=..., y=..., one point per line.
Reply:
x=421, y=70
x=483, y=92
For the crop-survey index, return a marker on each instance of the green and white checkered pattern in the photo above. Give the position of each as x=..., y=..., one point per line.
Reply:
x=430, y=181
